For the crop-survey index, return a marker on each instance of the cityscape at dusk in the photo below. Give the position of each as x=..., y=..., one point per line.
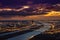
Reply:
x=29, y=19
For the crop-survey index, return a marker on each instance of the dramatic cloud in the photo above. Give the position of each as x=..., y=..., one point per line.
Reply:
x=37, y=10
x=25, y=2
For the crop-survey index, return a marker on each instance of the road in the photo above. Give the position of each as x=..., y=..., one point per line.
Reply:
x=28, y=35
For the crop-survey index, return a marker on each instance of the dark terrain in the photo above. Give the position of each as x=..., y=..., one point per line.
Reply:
x=55, y=36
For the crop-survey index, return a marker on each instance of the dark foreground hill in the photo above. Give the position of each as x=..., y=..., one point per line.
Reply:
x=55, y=36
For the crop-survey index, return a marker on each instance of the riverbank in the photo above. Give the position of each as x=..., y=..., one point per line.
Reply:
x=14, y=34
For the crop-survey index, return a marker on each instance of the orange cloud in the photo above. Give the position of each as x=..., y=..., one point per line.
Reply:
x=53, y=13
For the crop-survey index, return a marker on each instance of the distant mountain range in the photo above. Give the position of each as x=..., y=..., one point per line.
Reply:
x=33, y=17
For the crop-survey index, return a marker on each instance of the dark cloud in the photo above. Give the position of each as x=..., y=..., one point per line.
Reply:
x=24, y=2
x=48, y=1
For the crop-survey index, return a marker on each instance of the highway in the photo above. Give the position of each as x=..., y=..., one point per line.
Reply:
x=29, y=35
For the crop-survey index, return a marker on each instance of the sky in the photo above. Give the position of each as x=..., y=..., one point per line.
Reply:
x=17, y=3
x=24, y=2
